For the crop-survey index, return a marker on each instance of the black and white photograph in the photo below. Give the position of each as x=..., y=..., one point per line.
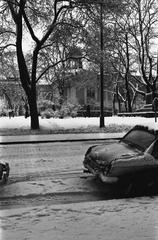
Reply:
x=78, y=119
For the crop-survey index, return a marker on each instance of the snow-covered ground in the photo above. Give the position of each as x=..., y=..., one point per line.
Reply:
x=69, y=123
x=119, y=219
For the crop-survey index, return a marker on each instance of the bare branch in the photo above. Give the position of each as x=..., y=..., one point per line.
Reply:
x=11, y=7
x=3, y=31
x=30, y=27
x=8, y=45
x=136, y=89
x=54, y=23
x=55, y=64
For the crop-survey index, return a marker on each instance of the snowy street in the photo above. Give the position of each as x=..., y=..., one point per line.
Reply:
x=121, y=219
x=40, y=171
x=48, y=197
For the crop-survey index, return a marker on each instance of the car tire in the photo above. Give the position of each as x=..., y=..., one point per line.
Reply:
x=4, y=178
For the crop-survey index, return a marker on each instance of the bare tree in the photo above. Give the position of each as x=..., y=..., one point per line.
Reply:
x=134, y=53
x=25, y=16
x=10, y=86
x=144, y=32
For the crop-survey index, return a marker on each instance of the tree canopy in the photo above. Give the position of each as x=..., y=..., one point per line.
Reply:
x=55, y=32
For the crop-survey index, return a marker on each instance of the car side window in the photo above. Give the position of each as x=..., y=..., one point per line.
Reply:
x=155, y=150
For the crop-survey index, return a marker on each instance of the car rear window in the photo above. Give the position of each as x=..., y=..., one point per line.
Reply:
x=140, y=138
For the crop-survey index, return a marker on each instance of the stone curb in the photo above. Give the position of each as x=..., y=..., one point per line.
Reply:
x=33, y=139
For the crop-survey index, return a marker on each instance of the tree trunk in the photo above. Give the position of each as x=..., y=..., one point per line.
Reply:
x=128, y=98
x=33, y=111
x=113, y=104
x=28, y=86
x=119, y=104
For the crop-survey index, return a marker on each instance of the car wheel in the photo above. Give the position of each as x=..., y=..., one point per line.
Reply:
x=1, y=171
x=4, y=178
x=129, y=189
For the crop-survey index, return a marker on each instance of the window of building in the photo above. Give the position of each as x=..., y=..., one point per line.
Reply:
x=91, y=93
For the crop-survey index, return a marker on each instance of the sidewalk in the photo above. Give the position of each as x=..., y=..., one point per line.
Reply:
x=46, y=138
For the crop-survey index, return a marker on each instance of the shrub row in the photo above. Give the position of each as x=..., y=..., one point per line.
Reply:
x=47, y=109
x=66, y=110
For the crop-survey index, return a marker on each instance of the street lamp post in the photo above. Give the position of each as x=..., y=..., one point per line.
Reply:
x=102, y=124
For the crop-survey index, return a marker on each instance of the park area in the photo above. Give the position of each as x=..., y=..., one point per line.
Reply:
x=21, y=125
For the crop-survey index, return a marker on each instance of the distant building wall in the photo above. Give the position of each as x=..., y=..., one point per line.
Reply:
x=81, y=95
x=88, y=96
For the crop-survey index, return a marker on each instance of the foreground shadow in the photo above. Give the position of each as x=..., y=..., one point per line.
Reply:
x=128, y=186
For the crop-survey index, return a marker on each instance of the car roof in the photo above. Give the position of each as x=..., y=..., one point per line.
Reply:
x=147, y=129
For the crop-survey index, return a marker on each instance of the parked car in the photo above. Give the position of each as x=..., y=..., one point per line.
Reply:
x=4, y=172
x=133, y=158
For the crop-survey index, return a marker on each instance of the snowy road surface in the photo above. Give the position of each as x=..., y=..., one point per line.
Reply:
x=122, y=219
x=47, y=173
x=42, y=170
